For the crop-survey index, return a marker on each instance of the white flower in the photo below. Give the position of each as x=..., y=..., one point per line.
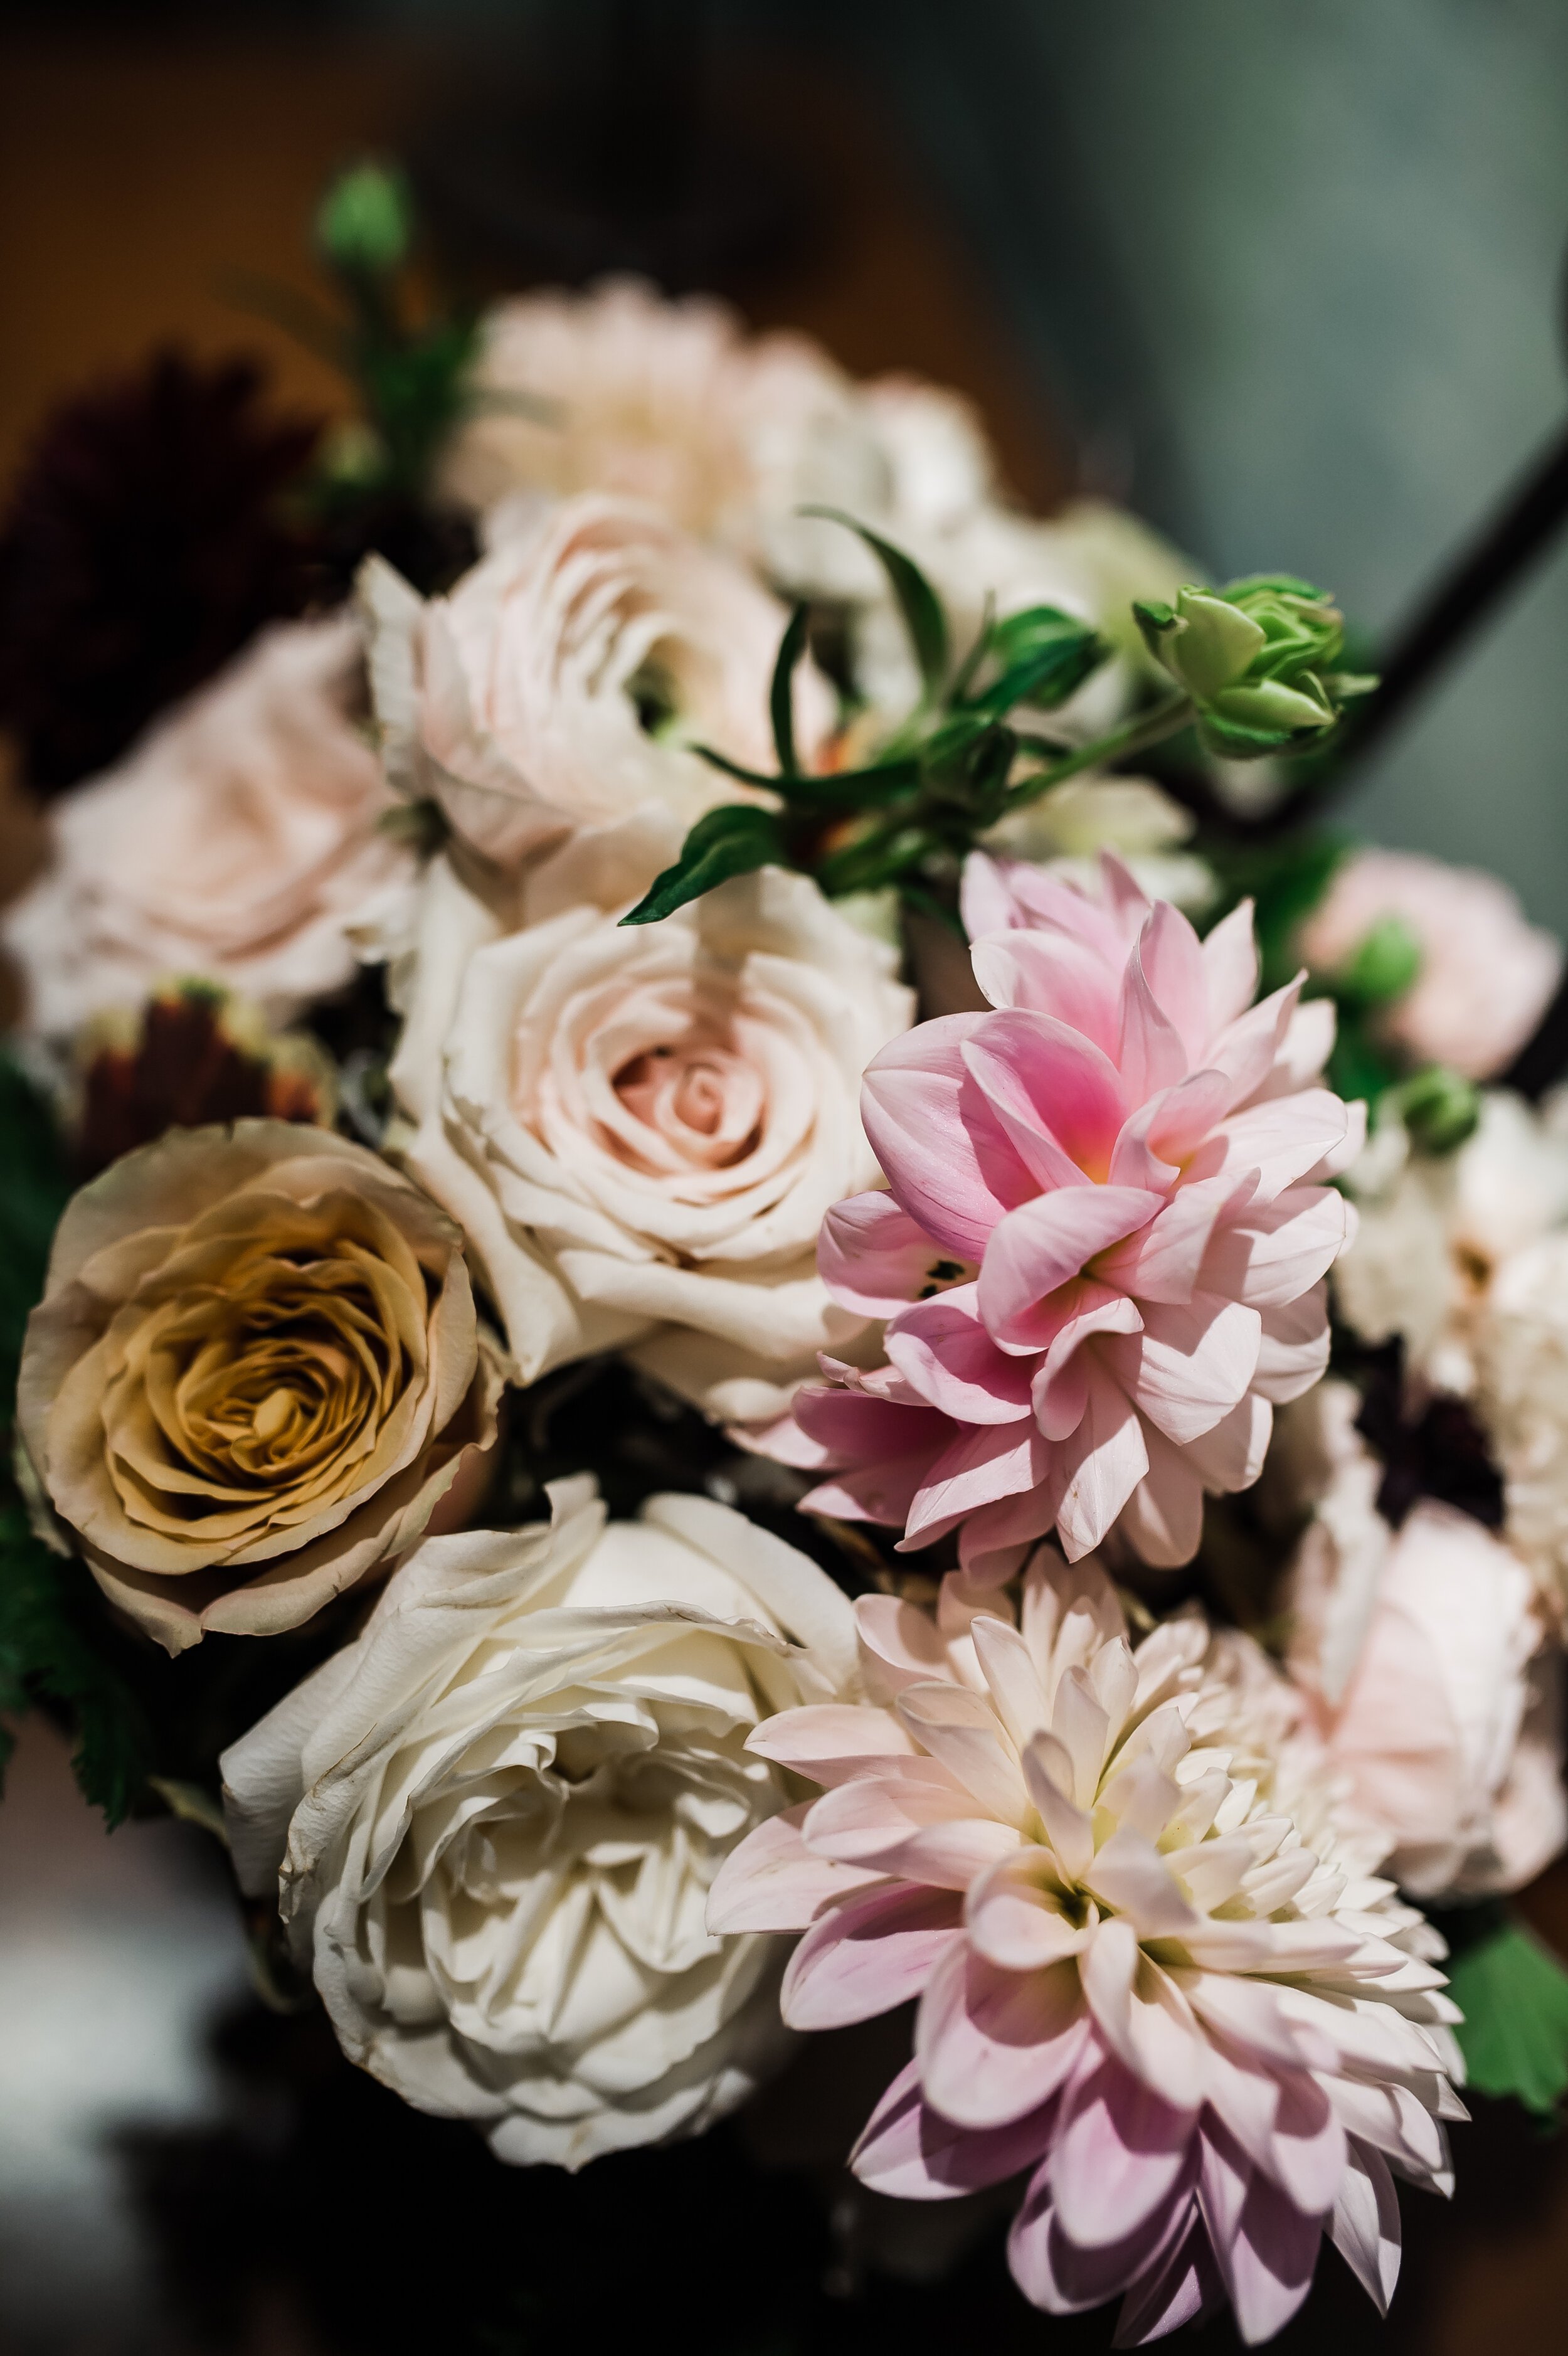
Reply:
x=1520, y=1354
x=1420, y=1652
x=237, y=839
x=565, y=680
x=1485, y=976
x=499, y=1813
x=640, y=1130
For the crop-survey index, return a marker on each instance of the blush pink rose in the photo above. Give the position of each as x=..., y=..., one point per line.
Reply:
x=1486, y=976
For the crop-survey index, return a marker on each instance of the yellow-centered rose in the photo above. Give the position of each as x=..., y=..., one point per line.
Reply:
x=254, y=1371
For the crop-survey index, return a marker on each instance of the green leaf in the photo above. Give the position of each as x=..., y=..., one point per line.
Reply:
x=780, y=695
x=49, y=1613
x=733, y=840
x=1045, y=656
x=1513, y=1993
x=841, y=790
x=917, y=600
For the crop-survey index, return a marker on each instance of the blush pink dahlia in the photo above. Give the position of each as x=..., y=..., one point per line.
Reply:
x=1102, y=1249
x=1151, y=1970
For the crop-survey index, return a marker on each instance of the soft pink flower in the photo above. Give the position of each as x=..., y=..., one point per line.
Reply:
x=1150, y=1966
x=1486, y=975
x=1102, y=1250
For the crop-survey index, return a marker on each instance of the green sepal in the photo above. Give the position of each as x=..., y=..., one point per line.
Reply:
x=780, y=694
x=1513, y=1993
x=734, y=840
x=917, y=600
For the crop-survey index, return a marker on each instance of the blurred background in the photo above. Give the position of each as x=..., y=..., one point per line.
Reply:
x=1287, y=279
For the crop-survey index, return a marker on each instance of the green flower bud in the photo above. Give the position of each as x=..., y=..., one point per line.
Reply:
x=1385, y=964
x=365, y=223
x=1439, y=1108
x=1257, y=660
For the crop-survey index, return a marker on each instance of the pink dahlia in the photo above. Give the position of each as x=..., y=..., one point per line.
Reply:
x=1102, y=1248
x=1152, y=1971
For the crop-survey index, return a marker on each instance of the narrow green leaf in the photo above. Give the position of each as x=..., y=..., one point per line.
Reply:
x=843, y=789
x=731, y=841
x=1513, y=1993
x=780, y=695
x=917, y=600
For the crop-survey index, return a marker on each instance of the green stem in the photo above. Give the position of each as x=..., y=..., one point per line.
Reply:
x=1134, y=735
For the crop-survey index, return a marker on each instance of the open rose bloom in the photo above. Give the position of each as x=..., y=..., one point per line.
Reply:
x=1102, y=1248
x=1152, y=1970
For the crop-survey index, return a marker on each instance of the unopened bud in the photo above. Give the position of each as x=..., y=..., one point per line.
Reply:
x=1256, y=658
x=365, y=223
x=1439, y=1108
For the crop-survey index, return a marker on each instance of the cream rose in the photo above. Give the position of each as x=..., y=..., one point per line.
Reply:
x=238, y=841
x=563, y=682
x=499, y=1813
x=254, y=1371
x=640, y=1129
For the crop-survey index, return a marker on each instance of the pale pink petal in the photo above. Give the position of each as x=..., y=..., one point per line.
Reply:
x=1045, y=1243
x=1230, y=967
x=1294, y=1350
x=1008, y=1668
x=1247, y=1050
x=1054, y=1091
x=829, y=1742
x=941, y=1150
x=1142, y=2013
x=873, y=1257
x=959, y=1729
x=1276, y=1143
x=1129, y=1874
x=1015, y=1920
x=1273, y=1252
x=868, y=1954
x=1230, y=1456
x=1150, y=1052
x=1172, y=964
x=771, y=1882
x=1157, y=1141
x=945, y=1353
x=1184, y=2288
x=1053, y=974
x=1060, y=1390
x=1265, y=2249
x=1121, y=2157
x=994, y=2045
x=1055, y=2272
x=1162, y=1261
x=1163, y=1518
x=1050, y=1774
x=1107, y=1459
x=1365, y=2227
x=978, y=1467
x=1191, y=1363
x=899, y=1644
x=912, y=2152
x=919, y=1824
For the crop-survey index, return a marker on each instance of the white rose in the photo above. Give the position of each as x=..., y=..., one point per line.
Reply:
x=498, y=1815
x=237, y=839
x=565, y=680
x=640, y=1129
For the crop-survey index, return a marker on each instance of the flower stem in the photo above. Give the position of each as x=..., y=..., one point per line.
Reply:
x=1134, y=735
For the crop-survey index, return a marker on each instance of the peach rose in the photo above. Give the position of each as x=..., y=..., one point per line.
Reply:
x=565, y=682
x=254, y=1371
x=640, y=1130
x=1485, y=978
x=238, y=841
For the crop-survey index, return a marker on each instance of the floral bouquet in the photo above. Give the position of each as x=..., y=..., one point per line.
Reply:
x=745, y=1284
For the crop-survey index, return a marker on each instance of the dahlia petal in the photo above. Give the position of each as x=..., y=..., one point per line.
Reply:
x=872, y=1256
x=1247, y=1050
x=1060, y=1390
x=899, y=1643
x=1142, y=2015
x=1105, y=1459
x=1191, y=1365
x=1164, y=1260
x=1278, y=1144
x=1015, y=1920
x=1129, y=1874
x=945, y=1353
x=1230, y=954
x=1338, y=1158
x=994, y=2045
x=1008, y=1668
x=1045, y=1243
x=1184, y=2288
x=986, y=905
x=908, y=1836
x=830, y=1741
x=944, y=1157
x=1365, y=2227
x=1051, y=1083
x=1163, y=1518
x=1141, y=1796
x=1054, y=2273
x=1048, y=1774
x=1150, y=1052
x=1054, y=974
x=979, y=1466
x=868, y=1955
x=1276, y=1251
x=771, y=1882
x=1308, y=2149
x=1230, y=1456
x=1172, y=962
x=959, y=1729
x=1267, y=2261
x=909, y=2151
x=1120, y=2157
x=1294, y=1350
x=1081, y=1725
x=1304, y=1047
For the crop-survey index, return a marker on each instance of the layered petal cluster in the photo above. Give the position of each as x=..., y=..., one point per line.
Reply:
x=1102, y=1250
x=1150, y=1967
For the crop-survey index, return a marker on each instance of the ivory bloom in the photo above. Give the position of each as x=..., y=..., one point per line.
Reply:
x=499, y=1813
x=238, y=841
x=1420, y=1653
x=254, y=1371
x=1485, y=976
x=562, y=682
x=1151, y=1966
x=640, y=1130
